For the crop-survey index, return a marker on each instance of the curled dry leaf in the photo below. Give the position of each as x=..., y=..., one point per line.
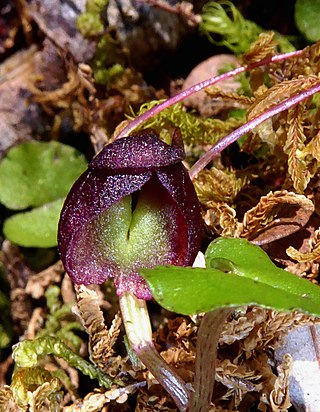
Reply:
x=95, y=401
x=221, y=218
x=30, y=389
x=279, y=397
x=312, y=148
x=38, y=400
x=237, y=100
x=238, y=379
x=7, y=403
x=303, y=346
x=241, y=324
x=101, y=340
x=308, y=256
x=277, y=215
x=271, y=331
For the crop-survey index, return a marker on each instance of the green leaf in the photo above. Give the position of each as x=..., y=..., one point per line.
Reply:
x=35, y=173
x=307, y=18
x=239, y=274
x=37, y=228
x=252, y=262
x=39, y=175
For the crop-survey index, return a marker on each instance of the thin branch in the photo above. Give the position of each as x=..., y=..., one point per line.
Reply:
x=184, y=9
x=196, y=88
x=247, y=127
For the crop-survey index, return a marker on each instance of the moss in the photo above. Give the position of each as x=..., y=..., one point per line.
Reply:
x=90, y=23
x=194, y=130
x=224, y=25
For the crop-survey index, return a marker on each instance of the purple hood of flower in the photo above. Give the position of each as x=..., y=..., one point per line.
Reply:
x=135, y=206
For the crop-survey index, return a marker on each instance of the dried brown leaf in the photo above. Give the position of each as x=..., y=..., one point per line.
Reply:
x=279, y=92
x=279, y=397
x=238, y=379
x=312, y=254
x=95, y=401
x=297, y=166
x=311, y=149
x=309, y=270
x=31, y=386
x=305, y=64
x=38, y=283
x=101, y=340
x=45, y=397
x=241, y=324
x=263, y=47
x=221, y=219
x=178, y=356
x=238, y=100
x=7, y=403
x=304, y=257
x=216, y=185
x=277, y=215
x=273, y=329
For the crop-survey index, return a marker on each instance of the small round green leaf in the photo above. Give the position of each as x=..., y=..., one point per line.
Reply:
x=39, y=175
x=35, y=173
x=37, y=228
x=307, y=18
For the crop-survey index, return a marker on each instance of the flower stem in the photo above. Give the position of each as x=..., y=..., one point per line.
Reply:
x=250, y=125
x=138, y=328
x=206, y=355
x=197, y=87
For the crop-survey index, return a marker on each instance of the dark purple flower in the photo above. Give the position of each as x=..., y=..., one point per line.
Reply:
x=134, y=207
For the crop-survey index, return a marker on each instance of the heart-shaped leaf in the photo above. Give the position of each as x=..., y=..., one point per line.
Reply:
x=237, y=274
x=37, y=228
x=306, y=17
x=35, y=173
x=39, y=175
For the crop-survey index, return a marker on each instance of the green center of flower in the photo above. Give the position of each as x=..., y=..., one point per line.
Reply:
x=134, y=232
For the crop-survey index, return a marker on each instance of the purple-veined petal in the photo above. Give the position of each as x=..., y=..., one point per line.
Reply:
x=93, y=193
x=136, y=153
